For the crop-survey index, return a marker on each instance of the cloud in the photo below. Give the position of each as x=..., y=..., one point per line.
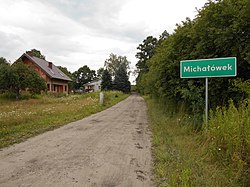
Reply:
x=73, y=33
x=9, y=43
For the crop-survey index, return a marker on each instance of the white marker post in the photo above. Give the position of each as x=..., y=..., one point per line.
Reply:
x=101, y=98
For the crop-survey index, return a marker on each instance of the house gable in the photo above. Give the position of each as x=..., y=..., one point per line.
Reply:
x=56, y=80
x=48, y=67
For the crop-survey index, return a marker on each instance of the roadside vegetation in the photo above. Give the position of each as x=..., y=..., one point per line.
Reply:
x=186, y=154
x=184, y=157
x=23, y=119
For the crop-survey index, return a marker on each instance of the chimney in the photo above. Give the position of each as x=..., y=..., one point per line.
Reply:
x=29, y=53
x=50, y=65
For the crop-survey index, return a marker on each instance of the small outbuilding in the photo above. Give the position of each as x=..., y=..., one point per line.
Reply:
x=93, y=86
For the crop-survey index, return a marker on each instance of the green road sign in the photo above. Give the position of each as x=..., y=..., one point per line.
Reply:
x=216, y=67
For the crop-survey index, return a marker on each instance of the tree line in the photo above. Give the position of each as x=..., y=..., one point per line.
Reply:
x=114, y=74
x=220, y=29
x=18, y=76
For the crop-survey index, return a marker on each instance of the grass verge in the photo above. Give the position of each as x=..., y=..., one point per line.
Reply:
x=23, y=119
x=181, y=155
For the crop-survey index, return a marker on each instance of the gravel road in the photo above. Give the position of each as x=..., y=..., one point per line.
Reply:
x=110, y=148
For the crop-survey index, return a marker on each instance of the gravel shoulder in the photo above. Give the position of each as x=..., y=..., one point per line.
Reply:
x=110, y=148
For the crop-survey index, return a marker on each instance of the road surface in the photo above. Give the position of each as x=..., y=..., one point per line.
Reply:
x=110, y=148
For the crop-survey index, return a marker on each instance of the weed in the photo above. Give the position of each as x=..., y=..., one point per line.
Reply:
x=181, y=155
x=228, y=139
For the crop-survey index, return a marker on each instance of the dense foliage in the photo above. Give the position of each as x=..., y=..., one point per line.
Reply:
x=221, y=29
x=82, y=76
x=19, y=77
x=116, y=74
x=36, y=53
x=121, y=80
x=106, y=83
x=3, y=61
x=113, y=63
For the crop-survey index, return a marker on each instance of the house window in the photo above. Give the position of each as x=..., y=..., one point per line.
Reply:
x=48, y=87
x=65, y=88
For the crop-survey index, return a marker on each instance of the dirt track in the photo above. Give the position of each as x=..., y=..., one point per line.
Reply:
x=111, y=148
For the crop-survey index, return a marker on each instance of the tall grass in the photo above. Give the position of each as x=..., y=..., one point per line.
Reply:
x=182, y=156
x=22, y=119
x=228, y=139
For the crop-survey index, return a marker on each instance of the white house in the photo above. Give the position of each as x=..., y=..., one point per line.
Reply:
x=93, y=86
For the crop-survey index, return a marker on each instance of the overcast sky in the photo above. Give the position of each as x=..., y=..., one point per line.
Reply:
x=73, y=33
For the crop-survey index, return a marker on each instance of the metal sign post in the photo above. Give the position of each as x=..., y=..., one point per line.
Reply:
x=206, y=99
x=204, y=68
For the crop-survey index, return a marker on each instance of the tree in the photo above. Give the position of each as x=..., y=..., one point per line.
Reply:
x=3, y=61
x=121, y=80
x=20, y=77
x=146, y=51
x=83, y=75
x=114, y=62
x=70, y=75
x=8, y=78
x=65, y=71
x=35, y=84
x=100, y=72
x=221, y=29
x=164, y=35
x=36, y=53
x=106, y=83
x=27, y=79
